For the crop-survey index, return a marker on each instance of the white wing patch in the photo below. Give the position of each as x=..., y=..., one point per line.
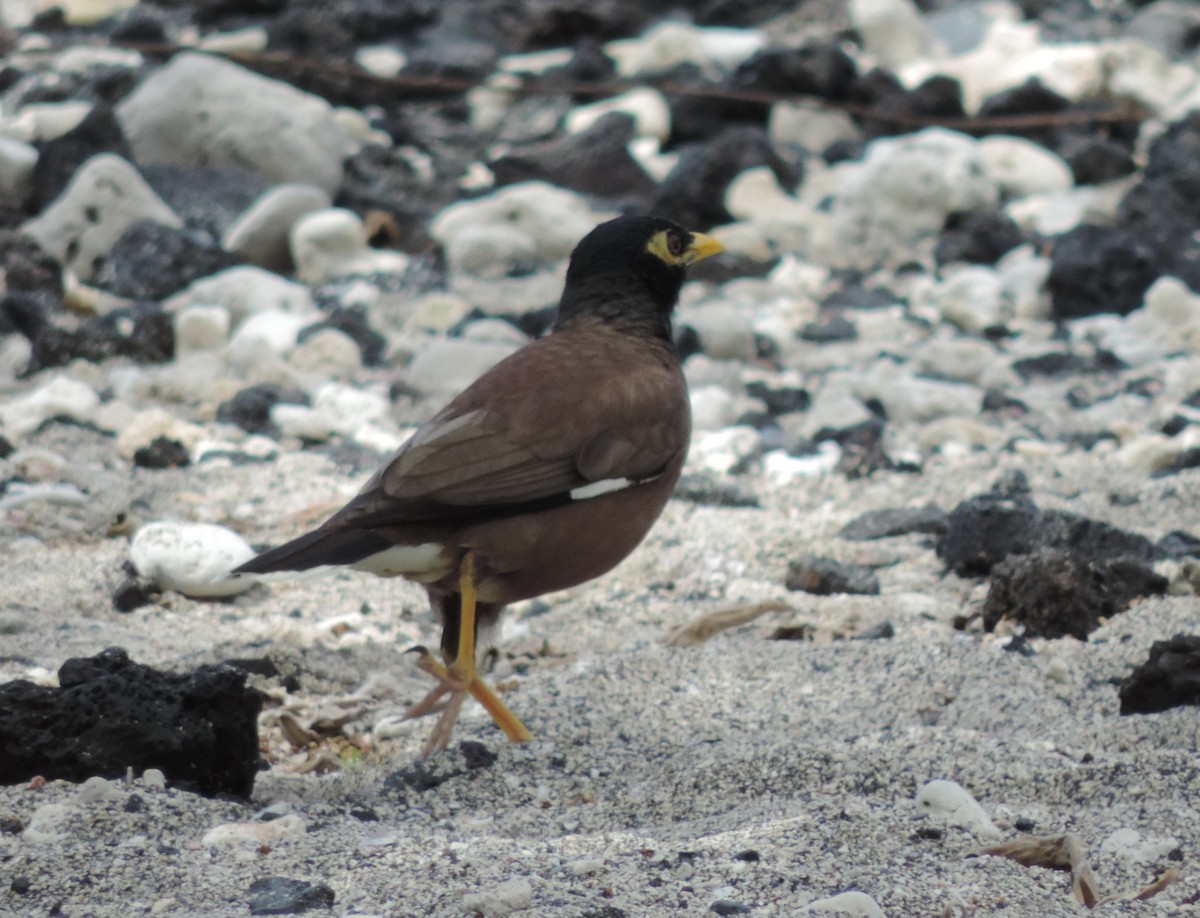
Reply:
x=603, y=486
x=423, y=563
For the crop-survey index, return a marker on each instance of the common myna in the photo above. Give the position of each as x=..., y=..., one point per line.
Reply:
x=544, y=473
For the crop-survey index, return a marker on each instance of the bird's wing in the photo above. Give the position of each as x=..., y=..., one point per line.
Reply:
x=531, y=448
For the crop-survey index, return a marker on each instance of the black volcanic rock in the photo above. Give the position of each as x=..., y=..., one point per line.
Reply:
x=110, y=714
x=1097, y=269
x=1170, y=678
x=151, y=261
x=1056, y=593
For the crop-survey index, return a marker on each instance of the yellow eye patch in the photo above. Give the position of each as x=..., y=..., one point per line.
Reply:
x=700, y=246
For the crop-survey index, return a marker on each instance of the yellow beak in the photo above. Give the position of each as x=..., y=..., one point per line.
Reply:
x=702, y=246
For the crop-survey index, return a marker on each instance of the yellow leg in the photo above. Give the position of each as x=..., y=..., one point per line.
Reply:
x=459, y=678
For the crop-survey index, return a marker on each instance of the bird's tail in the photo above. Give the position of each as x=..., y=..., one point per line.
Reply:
x=319, y=548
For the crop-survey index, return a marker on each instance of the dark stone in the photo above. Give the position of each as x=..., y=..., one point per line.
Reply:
x=939, y=97
x=1163, y=210
x=22, y=314
x=694, y=191
x=283, y=896
x=1099, y=269
x=596, y=162
x=604, y=911
x=984, y=530
x=1030, y=98
x=883, y=631
x=144, y=333
x=139, y=27
x=853, y=294
x=379, y=178
x=698, y=116
x=710, y=491
x=825, y=576
x=978, y=237
x=1170, y=678
x=1095, y=159
x=835, y=328
x=163, y=453
x=1056, y=593
x=882, y=524
x=206, y=200
x=998, y=400
x=31, y=273
x=1053, y=364
x=437, y=770
x=739, y=13
x=152, y=261
x=823, y=70
x=134, y=592
x=862, y=449
x=250, y=409
x=110, y=714
x=843, y=150
x=588, y=64
x=729, y=907
x=1187, y=459
x=784, y=400
x=1179, y=544
x=59, y=159
x=352, y=322
x=20, y=885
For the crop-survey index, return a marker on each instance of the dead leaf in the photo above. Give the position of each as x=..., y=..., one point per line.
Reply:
x=699, y=630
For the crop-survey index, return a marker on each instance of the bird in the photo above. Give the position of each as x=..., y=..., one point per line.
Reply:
x=544, y=473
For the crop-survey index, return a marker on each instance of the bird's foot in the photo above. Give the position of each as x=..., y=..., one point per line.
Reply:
x=454, y=683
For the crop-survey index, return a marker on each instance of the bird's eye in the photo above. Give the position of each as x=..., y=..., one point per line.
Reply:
x=676, y=244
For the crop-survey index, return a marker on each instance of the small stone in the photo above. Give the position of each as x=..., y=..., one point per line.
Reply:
x=881, y=524
x=729, y=907
x=647, y=107
x=134, y=592
x=250, y=408
x=191, y=558
x=17, y=162
x=892, y=30
x=281, y=896
x=162, y=453
x=327, y=244
x=263, y=339
x=980, y=238
x=201, y=328
x=848, y=903
x=104, y=198
x=948, y=803
x=1021, y=167
x=261, y=234
x=61, y=396
x=254, y=834
x=826, y=576
x=510, y=896
x=329, y=352
x=97, y=790
x=246, y=290
x=154, y=779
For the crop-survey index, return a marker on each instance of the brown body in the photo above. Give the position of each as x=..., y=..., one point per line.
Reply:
x=545, y=473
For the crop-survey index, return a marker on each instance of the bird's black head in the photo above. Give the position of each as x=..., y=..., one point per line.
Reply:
x=627, y=272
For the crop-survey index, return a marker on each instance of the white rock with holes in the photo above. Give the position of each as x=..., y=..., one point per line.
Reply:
x=191, y=558
x=103, y=199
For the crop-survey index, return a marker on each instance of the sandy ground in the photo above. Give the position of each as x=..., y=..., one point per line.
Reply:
x=746, y=771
